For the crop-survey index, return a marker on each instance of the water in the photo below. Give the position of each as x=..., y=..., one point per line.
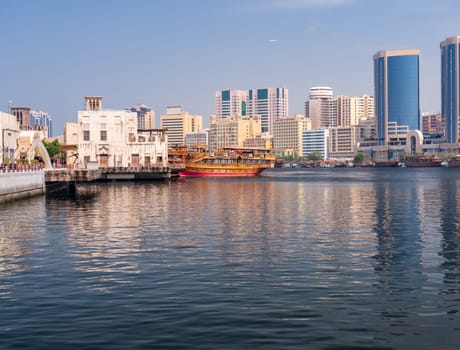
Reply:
x=298, y=258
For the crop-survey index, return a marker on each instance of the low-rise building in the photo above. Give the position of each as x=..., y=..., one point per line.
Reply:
x=111, y=138
x=315, y=141
x=9, y=128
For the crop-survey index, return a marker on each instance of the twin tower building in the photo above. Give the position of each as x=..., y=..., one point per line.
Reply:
x=397, y=92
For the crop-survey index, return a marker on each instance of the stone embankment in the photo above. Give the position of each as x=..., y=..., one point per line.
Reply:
x=16, y=184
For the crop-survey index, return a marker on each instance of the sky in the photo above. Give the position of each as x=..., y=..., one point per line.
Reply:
x=180, y=52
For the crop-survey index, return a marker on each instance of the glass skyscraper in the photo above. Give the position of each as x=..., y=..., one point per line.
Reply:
x=450, y=79
x=396, y=93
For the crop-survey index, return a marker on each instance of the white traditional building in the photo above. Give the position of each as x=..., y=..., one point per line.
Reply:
x=8, y=136
x=110, y=138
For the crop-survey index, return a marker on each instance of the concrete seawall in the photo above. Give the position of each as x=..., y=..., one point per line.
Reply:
x=16, y=185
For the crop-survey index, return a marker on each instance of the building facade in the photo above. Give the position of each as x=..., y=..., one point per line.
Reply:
x=396, y=93
x=230, y=103
x=9, y=128
x=270, y=104
x=145, y=117
x=352, y=109
x=315, y=141
x=233, y=131
x=343, y=142
x=287, y=134
x=450, y=90
x=179, y=123
x=110, y=138
x=321, y=107
x=432, y=124
x=197, y=138
x=39, y=118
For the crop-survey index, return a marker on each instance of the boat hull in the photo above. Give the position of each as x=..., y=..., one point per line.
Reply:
x=220, y=172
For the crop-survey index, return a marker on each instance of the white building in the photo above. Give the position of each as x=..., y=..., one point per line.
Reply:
x=197, y=138
x=315, y=141
x=40, y=118
x=321, y=108
x=9, y=128
x=110, y=138
x=270, y=104
x=230, y=102
x=287, y=134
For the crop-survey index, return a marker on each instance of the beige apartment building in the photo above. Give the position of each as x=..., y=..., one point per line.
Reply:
x=287, y=134
x=178, y=124
x=343, y=142
x=352, y=109
x=233, y=131
x=110, y=138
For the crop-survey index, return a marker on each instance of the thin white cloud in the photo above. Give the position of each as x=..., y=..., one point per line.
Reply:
x=273, y=40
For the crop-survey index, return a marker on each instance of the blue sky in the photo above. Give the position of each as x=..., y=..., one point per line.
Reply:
x=179, y=52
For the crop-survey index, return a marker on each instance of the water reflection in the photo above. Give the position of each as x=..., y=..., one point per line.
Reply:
x=320, y=259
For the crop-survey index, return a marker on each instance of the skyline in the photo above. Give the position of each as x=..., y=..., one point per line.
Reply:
x=174, y=52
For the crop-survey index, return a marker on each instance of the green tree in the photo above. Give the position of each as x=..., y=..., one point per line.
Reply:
x=359, y=157
x=53, y=148
x=314, y=156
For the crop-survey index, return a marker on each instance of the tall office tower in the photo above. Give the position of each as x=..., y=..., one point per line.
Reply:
x=352, y=109
x=229, y=103
x=397, y=94
x=145, y=117
x=178, y=123
x=271, y=104
x=321, y=108
x=40, y=118
x=450, y=80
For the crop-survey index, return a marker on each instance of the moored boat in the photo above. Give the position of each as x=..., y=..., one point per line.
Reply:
x=454, y=161
x=423, y=161
x=230, y=161
x=386, y=163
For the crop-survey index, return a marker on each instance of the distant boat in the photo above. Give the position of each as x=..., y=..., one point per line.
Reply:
x=230, y=162
x=422, y=161
x=386, y=163
x=454, y=161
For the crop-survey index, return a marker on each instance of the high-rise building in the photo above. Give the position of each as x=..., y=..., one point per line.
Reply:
x=270, y=104
x=287, y=134
x=145, y=117
x=178, y=123
x=232, y=131
x=352, y=109
x=397, y=93
x=229, y=103
x=321, y=108
x=450, y=88
x=39, y=118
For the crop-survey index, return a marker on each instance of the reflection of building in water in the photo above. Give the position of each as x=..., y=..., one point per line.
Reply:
x=450, y=244
x=398, y=258
x=109, y=236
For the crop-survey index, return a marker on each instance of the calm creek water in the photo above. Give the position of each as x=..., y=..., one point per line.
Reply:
x=295, y=259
